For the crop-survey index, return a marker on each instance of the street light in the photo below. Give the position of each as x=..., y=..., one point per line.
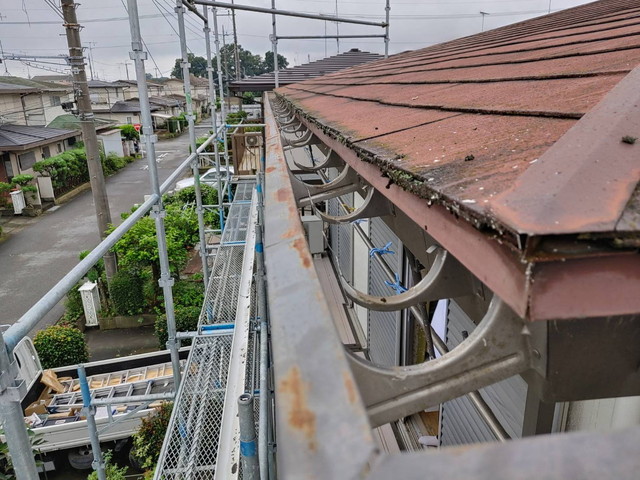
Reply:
x=483, y=15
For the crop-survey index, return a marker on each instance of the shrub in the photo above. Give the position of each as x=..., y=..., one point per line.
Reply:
x=129, y=132
x=65, y=169
x=73, y=306
x=188, y=294
x=147, y=441
x=112, y=470
x=126, y=293
x=112, y=163
x=58, y=346
x=186, y=321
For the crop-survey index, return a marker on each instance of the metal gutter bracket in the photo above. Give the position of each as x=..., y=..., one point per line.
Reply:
x=446, y=278
x=375, y=205
x=331, y=160
x=501, y=346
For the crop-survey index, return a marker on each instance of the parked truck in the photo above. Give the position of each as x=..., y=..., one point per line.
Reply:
x=53, y=402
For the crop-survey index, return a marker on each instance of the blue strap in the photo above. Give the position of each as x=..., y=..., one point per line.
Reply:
x=382, y=251
x=396, y=286
x=359, y=221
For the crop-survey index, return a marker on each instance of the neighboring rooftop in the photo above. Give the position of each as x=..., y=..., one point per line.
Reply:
x=71, y=122
x=129, y=106
x=266, y=81
x=105, y=84
x=517, y=129
x=21, y=137
x=17, y=84
x=64, y=79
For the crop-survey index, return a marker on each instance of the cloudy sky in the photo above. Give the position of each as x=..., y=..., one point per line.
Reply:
x=31, y=27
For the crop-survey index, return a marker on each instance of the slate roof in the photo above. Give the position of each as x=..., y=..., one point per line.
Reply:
x=71, y=122
x=24, y=85
x=266, y=82
x=22, y=137
x=517, y=129
x=129, y=106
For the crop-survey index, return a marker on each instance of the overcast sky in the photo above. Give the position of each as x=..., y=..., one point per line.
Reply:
x=414, y=24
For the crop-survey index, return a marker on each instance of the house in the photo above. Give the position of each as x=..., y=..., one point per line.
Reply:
x=125, y=112
x=21, y=146
x=513, y=153
x=108, y=137
x=104, y=95
x=300, y=73
x=154, y=88
x=27, y=102
x=174, y=88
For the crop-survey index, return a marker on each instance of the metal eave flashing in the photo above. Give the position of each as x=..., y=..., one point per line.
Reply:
x=309, y=413
x=552, y=290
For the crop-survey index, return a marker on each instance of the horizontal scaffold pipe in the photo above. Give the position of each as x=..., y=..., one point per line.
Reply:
x=287, y=13
x=308, y=37
x=30, y=319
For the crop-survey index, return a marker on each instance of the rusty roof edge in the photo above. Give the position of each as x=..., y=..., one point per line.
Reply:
x=590, y=168
x=504, y=267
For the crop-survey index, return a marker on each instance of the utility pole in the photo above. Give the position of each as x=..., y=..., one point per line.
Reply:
x=91, y=66
x=126, y=68
x=235, y=42
x=87, y=123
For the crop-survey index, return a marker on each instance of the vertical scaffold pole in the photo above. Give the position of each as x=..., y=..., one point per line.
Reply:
x=12, y=417
x=248, y=450
x=387, y=9
x=274, y=44
x=90, y=413
x=192, y=138
x=214, y=115
x=223, y=111
x=158, y=213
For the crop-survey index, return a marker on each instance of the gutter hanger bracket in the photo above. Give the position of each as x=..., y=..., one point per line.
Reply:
x=498, y=348
x=375, y=205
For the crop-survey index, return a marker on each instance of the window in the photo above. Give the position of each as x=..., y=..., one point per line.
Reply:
x=71, y=141
x=129, y=120
x=59, y=147
x=54, y=100
x=8, y=168
x=46, y=152
x=26, y=160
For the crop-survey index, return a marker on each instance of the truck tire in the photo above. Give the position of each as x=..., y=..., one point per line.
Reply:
x=80, y=458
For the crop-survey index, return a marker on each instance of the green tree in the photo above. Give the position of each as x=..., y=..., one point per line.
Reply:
x=198, y=66
x=268, y=62
x=147, y=441
x=111, y=469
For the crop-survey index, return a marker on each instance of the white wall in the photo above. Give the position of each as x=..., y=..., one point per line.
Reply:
x=112, y=142
x=604, y=414
x=11, y=108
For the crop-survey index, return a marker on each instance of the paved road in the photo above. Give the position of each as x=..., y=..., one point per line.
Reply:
x=35, y=258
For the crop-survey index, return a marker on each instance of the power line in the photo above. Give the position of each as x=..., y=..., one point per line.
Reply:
x=143, y=42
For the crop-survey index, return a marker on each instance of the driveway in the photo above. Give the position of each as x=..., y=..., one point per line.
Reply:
x=34, y=258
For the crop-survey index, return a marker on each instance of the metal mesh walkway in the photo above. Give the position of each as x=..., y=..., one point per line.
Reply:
x=192, y=444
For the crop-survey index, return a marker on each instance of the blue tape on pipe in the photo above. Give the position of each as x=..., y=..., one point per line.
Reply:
x=248, y=449
x=259, y=188
x=259, y=247
x=218, y=326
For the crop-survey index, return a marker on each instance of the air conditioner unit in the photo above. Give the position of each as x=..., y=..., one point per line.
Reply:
x=314, y=231
x=253, y=140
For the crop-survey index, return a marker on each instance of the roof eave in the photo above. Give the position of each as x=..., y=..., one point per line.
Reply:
x=582, y=287
x=40, y=143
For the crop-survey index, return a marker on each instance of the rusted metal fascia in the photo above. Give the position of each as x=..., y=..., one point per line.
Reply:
x=583, y=183
x=586, y=287
x=493, y=263
x=591, y=455
x=321, y=424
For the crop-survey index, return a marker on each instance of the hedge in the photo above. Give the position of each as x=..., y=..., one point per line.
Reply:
x=147, y=441
x=126, y=292
x=186, y=321
x=58, y=346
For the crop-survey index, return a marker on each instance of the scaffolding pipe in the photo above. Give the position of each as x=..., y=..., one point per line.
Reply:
x=193, y=9
x=214, y=114
x=274, y=45
x=248, y=450
x=90, y=412
x=264, y=334
x=192, y=137
x=223, y=112
x=387, y=9
x=158, y=212
x=288, y=13
x=308, y=37
x=12, y=418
